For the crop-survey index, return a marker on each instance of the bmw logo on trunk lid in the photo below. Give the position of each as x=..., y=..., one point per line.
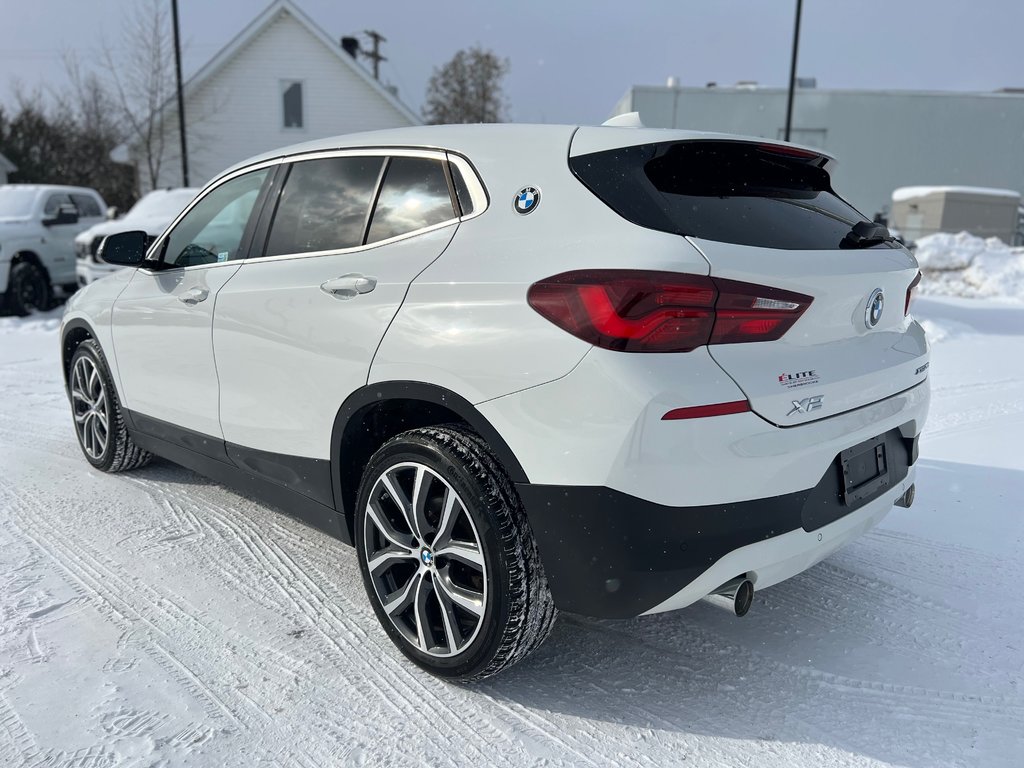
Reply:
x=873, y=310
x=527, y=200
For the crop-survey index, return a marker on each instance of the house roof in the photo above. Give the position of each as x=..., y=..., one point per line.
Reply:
x=264, y=20
x=6, y=165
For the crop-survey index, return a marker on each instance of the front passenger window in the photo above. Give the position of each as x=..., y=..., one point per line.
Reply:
x=212, y=231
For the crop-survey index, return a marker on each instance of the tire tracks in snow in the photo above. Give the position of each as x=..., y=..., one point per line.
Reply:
x=307, y=596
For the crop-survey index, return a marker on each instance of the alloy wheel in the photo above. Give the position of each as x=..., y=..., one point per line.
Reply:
x=425, y=559
x=91, y=407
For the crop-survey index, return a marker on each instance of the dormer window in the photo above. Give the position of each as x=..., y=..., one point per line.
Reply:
x=291, y=98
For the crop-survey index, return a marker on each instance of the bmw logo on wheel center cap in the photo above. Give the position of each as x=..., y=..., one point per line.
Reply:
x=527, y=200
x=427, y=557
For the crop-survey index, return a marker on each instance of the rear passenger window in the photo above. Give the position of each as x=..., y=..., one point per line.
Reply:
x=323, y=205
x=414, y=196
x=87, y=206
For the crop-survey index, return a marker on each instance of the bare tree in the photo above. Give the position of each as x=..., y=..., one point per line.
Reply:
x=468, y=89
x=143, y=83
x=67, y=139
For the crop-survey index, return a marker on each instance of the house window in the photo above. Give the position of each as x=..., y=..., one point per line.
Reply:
x=291, y=97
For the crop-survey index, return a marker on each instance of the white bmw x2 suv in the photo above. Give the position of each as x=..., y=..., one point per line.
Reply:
x=607, y=370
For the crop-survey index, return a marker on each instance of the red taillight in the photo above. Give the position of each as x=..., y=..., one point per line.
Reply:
x=640, y=311
x=910, y=293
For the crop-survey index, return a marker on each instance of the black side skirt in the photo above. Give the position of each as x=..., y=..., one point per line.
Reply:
x=307, y=496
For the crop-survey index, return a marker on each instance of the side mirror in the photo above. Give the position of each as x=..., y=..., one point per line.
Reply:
x=124, y=249
x=66, y=214
x=112, y=212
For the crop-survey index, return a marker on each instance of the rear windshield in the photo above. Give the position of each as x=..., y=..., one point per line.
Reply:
x=728, y=191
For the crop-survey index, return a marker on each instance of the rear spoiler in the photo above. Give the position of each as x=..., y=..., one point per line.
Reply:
x=589, y=139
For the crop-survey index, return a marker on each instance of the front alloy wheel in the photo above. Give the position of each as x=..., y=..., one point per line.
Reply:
x=99, y=423
x=91, y=408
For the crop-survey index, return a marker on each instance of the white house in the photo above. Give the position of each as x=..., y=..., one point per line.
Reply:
x=281, y=80
x=6, y=168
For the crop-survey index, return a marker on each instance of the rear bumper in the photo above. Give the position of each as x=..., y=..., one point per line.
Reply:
x=611, y=555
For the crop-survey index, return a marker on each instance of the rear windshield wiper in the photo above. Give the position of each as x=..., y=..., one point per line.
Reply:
x=865, y=234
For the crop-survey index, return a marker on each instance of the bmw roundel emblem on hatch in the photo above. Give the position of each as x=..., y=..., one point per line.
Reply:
x=873, y=311
x=527, y=200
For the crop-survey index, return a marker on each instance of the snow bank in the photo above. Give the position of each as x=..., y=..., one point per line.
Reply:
x=969, y=266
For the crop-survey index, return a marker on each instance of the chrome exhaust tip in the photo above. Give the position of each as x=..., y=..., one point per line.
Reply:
x=735, y=596
x=907, y=498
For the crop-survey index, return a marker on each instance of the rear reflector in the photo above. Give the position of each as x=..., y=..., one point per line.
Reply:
x=646, y=311
x=701, y=411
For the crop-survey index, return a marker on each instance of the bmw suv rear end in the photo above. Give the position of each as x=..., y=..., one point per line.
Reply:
x=754, y=388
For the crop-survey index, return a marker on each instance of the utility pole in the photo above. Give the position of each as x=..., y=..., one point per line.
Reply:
x=375, y=54
x=792, y=69
x=181, y=95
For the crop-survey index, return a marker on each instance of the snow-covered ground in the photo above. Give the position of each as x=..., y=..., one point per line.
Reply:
x=156, y=619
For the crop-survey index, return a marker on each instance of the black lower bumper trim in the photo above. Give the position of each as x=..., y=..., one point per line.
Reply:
x=611, y=555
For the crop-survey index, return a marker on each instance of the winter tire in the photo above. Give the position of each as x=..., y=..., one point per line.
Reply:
x=447, y=556
x=99, y=425
x=28, y=288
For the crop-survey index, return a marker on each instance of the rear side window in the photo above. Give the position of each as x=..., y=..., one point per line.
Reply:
x=461, y=190
x=324, y=204
x=86, y=205
x=414, y=196
x=732, y=192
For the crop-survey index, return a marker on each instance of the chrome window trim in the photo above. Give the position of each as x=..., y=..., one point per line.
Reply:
x=342, y=251
x=477, y=193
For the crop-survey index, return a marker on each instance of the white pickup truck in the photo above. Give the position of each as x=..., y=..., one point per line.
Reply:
x=38, y=224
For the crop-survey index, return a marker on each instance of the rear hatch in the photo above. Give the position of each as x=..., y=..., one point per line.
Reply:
x=766, y=214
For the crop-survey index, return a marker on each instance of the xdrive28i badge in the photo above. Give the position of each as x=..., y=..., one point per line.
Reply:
x=873, y=310
x=527, y=200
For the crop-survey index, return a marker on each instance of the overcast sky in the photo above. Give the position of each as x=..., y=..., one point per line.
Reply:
x=571, y=60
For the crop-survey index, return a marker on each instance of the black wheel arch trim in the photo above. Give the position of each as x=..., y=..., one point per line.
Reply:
x=377, y=393
x=65, y=353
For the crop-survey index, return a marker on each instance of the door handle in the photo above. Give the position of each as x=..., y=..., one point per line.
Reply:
x=193, y=296
x=349, y=286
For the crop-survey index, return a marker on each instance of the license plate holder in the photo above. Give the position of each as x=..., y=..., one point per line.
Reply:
x=865, y=469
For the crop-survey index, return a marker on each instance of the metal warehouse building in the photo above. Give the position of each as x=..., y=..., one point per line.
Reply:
x=882, y=139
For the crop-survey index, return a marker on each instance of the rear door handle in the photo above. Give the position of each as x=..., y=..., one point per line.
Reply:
x=349, y=286
x=193, y=296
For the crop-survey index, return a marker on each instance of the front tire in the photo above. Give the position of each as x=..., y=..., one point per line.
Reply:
x=28, y=288
x=447, y=556
x=99, y=425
